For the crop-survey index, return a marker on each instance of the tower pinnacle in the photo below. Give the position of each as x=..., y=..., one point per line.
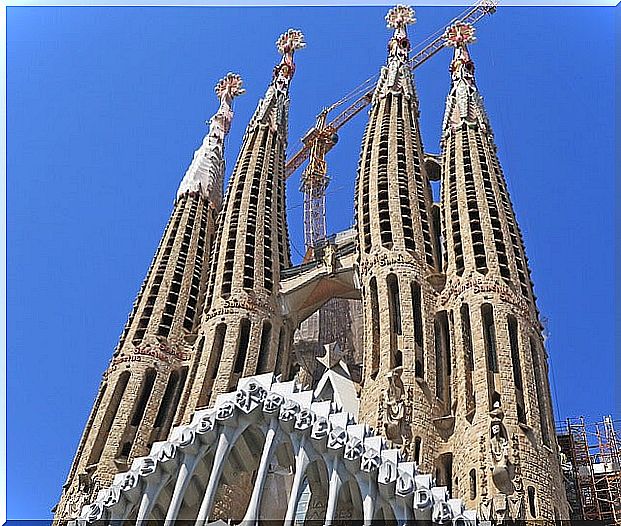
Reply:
x=398, y=18
x=273, y=109
x=396, y=76
x=464, y=103
x=206, y=172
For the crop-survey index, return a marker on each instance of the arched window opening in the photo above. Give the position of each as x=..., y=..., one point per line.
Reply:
x=540, y=382
x=472, y=477
x=444, y=471
x=394, y=304
x=417, y=449
x=242, y=349
x=264, y=349
x=532, y=509
x=212, y=365
x=375, y=329
x=512, y=327
x=489, y=339
x=137, y=413
x=145, y=394
x=417, y=306
x=109, y=417
x=466, y=336
x=169, y=404
x=443, y=365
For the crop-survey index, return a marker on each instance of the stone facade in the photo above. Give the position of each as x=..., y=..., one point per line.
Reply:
x=432, y=306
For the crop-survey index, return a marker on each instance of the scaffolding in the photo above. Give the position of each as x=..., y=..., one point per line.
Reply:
x=592, y=469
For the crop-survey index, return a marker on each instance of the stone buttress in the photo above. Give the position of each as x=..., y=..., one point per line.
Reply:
x=142, y=386
x=398, y=260
x=503, y=453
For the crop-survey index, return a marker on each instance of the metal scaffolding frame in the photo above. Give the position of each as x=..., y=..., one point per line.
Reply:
x=593, y=469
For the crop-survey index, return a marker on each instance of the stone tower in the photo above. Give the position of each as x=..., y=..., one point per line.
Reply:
x=141, y=388
x=398, y=260
x=503, y=453
x=242, y=330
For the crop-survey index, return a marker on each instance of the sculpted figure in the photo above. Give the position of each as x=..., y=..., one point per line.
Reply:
x=499, y=447
x=396, y=410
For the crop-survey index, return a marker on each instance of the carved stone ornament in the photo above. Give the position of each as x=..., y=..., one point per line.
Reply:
x=387, y=472
x=320, y=429
x=250, y=398
x=111, y=496
x=167, y=452
x=400, y=16
x=442, y=513
x=147, y=466
x=94, y=512
x=304, y=420
x=423, y=499
x=273, y=403
x=186, y=437
x=129, y=481
x=205, y=424
x=337, y=438
x=405, y=484
x=225, y=411
x=370, y=460
x=502, y=470
x=353, y=448
x=288, y=411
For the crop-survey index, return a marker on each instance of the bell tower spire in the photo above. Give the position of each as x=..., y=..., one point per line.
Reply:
x=241, y=312
x=503, y=403
x=141, y=388
x=397, y=257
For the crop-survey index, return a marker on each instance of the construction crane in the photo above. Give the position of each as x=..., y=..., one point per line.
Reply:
x=321, y=138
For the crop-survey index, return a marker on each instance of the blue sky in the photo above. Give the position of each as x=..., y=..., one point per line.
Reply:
x=107, y=105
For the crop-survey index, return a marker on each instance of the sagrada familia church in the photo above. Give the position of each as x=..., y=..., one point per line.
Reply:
x=397, y=375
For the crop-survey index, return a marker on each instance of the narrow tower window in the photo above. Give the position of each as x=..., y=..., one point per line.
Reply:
x=473, y=484
x=242, y=348
x=417, y=450
x=417, y=307
x=169, y=404
x=109, y=417
x=138, y=412
x=532, y=509
x=489, y=337
x=443, y=365
x=394, y=304
x=145, y=394
x=264, y=349
x=212, y=365
x=394, y=310
x=375, y=329
x=466, y=334
x=541, y=392
x=517, y=368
